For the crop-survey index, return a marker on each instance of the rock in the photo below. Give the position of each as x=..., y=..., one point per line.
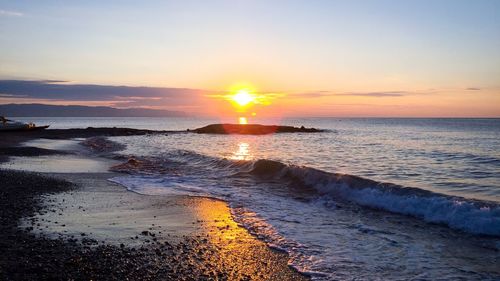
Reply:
x=252, y=129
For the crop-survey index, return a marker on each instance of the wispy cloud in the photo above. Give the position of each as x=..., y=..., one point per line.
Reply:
x=10, y=13
x=473, y=89
x=58, y=91
x=2, y=95
x=313, y=94
x=262, y=98
x=378, y=94
x=317, y=94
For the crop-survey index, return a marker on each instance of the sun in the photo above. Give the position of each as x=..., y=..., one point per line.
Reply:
x=243, y=97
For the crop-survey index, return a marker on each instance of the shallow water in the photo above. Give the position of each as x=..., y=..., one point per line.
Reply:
x=78, y=162
x=325, y=236
x=326, y=202
x=452, y=156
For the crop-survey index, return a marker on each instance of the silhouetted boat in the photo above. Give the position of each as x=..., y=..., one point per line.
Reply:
x=11, y=125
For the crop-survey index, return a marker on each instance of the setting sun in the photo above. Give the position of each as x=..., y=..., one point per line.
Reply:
x=243, y=97
x=360, y=138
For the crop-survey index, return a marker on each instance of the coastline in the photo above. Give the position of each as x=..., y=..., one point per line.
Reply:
x=81, y=226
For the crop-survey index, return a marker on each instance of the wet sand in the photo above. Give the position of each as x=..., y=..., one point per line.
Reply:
x=80, y=226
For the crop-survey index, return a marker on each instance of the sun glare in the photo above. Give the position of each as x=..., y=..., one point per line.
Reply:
x=243, y=120
x=243, y=97
x=243, y=152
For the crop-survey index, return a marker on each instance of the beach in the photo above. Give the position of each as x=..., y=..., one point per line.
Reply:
x=78, y=225
x=250, y=140
x=361, y=199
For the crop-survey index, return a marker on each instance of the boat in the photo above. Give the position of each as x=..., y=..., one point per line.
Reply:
x=11, y=125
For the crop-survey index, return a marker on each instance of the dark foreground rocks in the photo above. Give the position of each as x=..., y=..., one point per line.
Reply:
x=5, y=152
x=26, y=253
x=252, y=129
x=29, y=256
x=9, y=138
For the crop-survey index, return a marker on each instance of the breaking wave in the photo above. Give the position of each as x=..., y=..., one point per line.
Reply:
x=469, y=215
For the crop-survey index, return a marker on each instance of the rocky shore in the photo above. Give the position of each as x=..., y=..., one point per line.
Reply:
x=81, y=227
x=26, y=256
x=252, y=129
x=9, y=140
x=13, y=137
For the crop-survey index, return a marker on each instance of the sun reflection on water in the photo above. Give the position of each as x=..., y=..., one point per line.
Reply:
x=238, y=253
x=242, y=153
x=242, y=120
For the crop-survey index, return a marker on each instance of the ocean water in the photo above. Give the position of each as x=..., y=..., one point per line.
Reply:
x=374, y=199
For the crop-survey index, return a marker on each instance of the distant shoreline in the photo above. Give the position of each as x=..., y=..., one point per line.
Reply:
x=47, y=110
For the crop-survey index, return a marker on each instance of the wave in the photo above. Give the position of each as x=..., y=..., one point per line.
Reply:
x=469, y=215
x=102, y=145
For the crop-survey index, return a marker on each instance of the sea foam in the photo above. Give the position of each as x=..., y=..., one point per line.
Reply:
x=469, y=215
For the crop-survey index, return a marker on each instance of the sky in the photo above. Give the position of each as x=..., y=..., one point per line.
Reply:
x=419, y=58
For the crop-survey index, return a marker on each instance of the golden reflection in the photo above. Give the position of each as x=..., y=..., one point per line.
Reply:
x=243, y=152
x=238, y=252
x=243, y=121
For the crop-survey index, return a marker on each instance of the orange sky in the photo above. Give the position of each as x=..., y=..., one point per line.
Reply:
x=327, y=58
x=445, y=103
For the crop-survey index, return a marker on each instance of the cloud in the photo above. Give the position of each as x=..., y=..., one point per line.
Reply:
x=318, y=94
x=54, y=81
x=314, y=94
x=262, y=98
x=10, y=13
x=10, y=96
x=57, y=91
x=378, y=94
x=473, y=89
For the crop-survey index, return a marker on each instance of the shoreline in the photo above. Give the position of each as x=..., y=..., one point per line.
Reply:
x=179, y=238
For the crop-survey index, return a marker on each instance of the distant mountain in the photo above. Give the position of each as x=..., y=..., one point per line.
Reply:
x=45, y=110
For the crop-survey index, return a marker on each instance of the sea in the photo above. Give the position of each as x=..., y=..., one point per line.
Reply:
x=368, y=199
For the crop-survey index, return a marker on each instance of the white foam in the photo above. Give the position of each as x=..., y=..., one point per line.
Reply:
x=456, y=212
